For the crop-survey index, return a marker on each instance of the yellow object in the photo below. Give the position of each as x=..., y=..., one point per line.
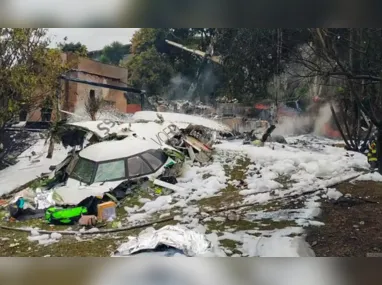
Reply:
x=372, y=154
x=158, y=191
x=106, y=211
x=258, y=143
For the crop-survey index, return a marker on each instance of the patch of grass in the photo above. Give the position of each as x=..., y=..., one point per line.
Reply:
x=37, y=223
x=240, y=225
x=226, y=197
x=285, y=181
x=2, y=214
x=269, y=224
x=245, y=225
x=269, y=207
x=133, y=200
x=229, y=244
x=238, y=170
x=229, y=195
x=168, y=223
x=213, y=225
x=68, y=246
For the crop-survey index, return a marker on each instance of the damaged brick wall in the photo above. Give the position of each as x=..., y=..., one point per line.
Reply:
x=74, y=95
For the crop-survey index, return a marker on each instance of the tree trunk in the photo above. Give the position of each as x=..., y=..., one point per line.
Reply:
x=348, y=146
x=379, y=149
x=350, y=49
x=51, y=148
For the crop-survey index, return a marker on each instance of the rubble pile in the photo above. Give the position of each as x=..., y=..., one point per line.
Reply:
x=181, y=106
x=226, y=99
x=106, y=163
x=110, y=161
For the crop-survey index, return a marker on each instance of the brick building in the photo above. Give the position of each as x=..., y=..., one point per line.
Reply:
x=74, y=95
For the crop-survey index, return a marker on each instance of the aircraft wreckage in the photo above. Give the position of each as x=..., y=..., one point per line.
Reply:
x=109, y=160
x=108, y=155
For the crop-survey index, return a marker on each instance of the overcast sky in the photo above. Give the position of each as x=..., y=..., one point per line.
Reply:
x=94, y=38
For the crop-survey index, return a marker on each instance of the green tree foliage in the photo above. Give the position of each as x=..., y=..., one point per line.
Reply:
x=104, y=59
x=78, y=48
x=29, y=71
x=114, y=53
x=251, y=58
x=146, y=38
x=175, y=61
x=150, y=70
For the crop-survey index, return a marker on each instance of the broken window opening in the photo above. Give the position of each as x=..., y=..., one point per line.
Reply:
x=141, y=164
x=92, y=95
x=137, y=167
x=108, y=171
x=83, y=171
x=153, y=161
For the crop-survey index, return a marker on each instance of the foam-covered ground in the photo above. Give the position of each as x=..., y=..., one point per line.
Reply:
x=267, y=193
x=273, y=177
x=31, y=163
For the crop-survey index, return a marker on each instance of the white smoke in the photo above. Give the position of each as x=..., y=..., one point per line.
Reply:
x=324, y=116
x=302, y=125
x=293, y=126
x=183, y=88
x=178, y=87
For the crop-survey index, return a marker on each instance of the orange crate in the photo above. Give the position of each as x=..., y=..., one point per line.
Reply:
x=107, y=211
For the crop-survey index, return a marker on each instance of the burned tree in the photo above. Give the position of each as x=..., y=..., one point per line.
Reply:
x=353, y=57
x=93, y=105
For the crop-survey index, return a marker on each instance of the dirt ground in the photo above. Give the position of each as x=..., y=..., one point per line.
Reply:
x=350, y=230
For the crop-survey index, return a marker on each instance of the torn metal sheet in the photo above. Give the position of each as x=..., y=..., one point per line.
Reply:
x=191, y=153
x=181, y=118
x=201, y=133
x=189, y=242
x=203, y=157
x=195, y=143
x=73, y=195
x=101, y=129
x=44, y=199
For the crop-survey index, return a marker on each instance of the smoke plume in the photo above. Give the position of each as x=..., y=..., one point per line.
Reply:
x=302, y=125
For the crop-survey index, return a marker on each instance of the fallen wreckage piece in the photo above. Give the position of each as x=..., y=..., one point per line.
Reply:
x=123, y=154
x=179, y=135
x=109, y=168
x=252, y=138
x=167, y=241
x=104, y=166
x=177, y=118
